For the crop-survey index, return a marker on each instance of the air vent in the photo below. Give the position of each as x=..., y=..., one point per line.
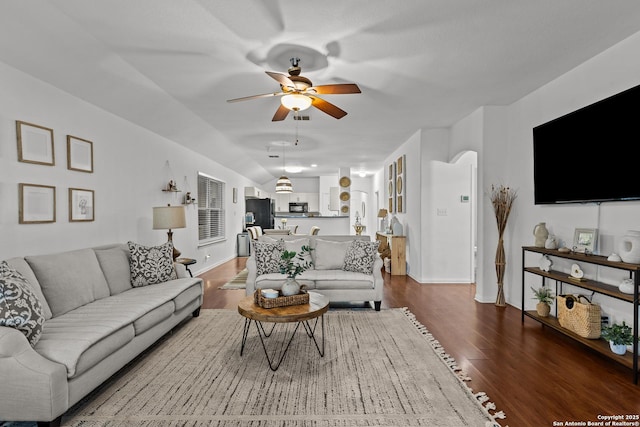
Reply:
x=297, y=117
x=274, y=156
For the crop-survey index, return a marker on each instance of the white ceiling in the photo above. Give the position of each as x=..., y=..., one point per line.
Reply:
x=170, y=66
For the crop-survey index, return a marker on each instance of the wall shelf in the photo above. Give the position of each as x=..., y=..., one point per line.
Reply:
x=630, y=359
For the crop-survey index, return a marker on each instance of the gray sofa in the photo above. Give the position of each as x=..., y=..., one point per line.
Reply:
x=328, y=275
x=94, y=323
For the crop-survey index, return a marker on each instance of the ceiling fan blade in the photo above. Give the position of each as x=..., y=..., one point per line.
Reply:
x=327, y=107
x=281, y=114
x=265, y=95
x=283, y=79
x=336, y=89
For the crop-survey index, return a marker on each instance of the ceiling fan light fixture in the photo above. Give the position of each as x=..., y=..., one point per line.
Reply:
x=296, y=102
x=283, y=185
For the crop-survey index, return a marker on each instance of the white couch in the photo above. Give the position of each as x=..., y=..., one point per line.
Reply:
x=333, y=282
x=95, y=322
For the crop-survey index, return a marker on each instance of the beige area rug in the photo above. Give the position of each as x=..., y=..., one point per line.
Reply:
x=379, y=369
x=238, y=282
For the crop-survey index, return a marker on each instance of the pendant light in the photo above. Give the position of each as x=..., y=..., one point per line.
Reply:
x=283, y=185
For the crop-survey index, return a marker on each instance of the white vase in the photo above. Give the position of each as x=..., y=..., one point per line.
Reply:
x=290, y=287
x=620, y=349
x=540, y=233
x=629, y=249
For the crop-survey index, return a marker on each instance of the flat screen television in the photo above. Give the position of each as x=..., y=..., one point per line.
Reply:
x=590, y=155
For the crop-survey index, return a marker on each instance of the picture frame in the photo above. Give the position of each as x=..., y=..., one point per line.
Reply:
x=585, y=240
x=400, y=184
x=79, y=154
x=37, y=204
x=35, y=144
x=81, y=205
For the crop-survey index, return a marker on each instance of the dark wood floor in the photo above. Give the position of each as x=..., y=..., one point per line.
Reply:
x=532, y=373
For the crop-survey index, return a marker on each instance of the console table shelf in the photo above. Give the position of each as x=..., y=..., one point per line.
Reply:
x=630, y=359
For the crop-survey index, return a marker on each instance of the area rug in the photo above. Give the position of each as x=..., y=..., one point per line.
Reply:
x=238, y=282
x=379, y=369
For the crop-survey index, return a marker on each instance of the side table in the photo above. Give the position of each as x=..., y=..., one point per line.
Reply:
x=186, y=262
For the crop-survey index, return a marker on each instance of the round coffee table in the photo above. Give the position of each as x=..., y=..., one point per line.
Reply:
x=300, y=314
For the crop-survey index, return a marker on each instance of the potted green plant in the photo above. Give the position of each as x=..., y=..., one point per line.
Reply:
x=619, y=337
x=545, y=298
x=294, y=263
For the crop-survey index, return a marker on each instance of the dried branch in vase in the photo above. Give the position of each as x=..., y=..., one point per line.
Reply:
x=502, y=199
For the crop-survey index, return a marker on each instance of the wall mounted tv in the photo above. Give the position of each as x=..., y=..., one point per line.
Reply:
x=590, y=155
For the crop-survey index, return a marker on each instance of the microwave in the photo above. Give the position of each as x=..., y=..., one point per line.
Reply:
x=300, y=207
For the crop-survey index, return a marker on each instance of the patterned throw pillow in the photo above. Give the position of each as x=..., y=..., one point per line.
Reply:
x=19, y=306
x=361, y=256
x=268, y=257
x=151, y=264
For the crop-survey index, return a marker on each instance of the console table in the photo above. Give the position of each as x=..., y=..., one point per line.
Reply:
x=398, y=245
x=629, y=360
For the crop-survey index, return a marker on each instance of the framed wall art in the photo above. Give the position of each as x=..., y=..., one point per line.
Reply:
x=81, y=205
x=37, y=203
x=35, y=144
x=400, y=184
x=391, y=184
x=79, y=154
x=585, y=239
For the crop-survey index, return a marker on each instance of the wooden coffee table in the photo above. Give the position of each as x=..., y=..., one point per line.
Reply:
x=301, y=314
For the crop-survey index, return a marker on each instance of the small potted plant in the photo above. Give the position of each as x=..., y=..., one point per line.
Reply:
x=619, y=337
x=294, y=263
x=545, y=299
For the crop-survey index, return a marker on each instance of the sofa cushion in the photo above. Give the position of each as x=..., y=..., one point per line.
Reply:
x=360, y=256
x=276, y=280
x=115, y=266
x=20, y=265
x=340, y=279
x=329, y=255
x=153, y=317
x=151, y=264
x=268, y=256
x=69, y=279
x=19, y=305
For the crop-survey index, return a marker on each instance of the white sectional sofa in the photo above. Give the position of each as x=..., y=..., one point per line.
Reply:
x=93, y=322
x=339, y=273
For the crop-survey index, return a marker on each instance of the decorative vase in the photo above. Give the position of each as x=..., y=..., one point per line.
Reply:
x=540, y=233
x=620, y=349
x=396, y=227
x=290, y=287
x=543, y=309
x=551, y=243
x=630, y=247
x=626, y=286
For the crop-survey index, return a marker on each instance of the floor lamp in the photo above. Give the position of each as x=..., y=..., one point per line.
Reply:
x=167, y=218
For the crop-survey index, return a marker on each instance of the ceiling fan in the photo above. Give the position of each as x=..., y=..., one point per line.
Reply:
x=298, y=93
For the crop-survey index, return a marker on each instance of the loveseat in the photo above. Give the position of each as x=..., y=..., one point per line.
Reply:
x=342, y=270
x=88, y=313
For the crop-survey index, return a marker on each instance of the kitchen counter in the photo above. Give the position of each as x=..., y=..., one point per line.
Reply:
x=329, y=225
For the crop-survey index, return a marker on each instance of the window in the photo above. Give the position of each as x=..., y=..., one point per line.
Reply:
x=210, y=210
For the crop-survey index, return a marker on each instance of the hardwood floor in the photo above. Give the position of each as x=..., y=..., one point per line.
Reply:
x=532, y=373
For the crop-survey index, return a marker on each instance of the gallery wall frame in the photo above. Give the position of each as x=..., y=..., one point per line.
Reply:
x=79, y=154
x=35, y=144
x=400, y=184
x=81, y=205
x=391, y=184
x=37, y=203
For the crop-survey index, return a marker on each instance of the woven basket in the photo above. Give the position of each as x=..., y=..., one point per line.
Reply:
x=583, y=318
x=282, y=301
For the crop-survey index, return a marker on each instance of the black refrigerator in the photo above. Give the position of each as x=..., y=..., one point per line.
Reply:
x=263, y=212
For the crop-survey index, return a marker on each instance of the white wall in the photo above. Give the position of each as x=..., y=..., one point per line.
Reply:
x=129, y=172
x=507, y=158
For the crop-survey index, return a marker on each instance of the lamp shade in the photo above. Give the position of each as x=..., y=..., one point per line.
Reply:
x=168, y=217
x=296, y=102
x=283, y=185
x=382, y=213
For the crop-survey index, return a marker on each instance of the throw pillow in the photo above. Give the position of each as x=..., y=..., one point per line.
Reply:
x=150, y=265
x=329, y=255
x=296, y=246
x=19, y=306
x=268, y=257
x=360, y=256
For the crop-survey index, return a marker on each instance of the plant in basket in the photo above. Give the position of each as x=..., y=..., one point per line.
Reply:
x=294, y=263
x=545, y=298
x=619, y=337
